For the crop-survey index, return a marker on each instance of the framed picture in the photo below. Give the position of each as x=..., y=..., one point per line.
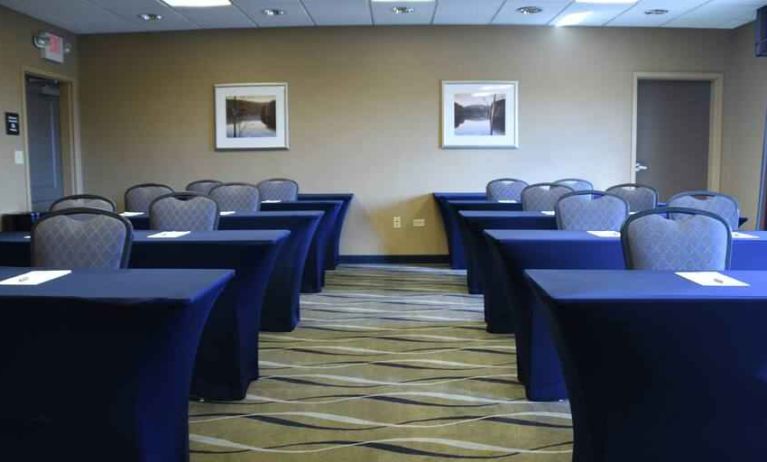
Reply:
x=252, y=116
x=479, y=114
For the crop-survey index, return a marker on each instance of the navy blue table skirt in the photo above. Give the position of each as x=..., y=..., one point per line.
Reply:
x=448, y=221
x=323, y=241
x=97, y=365
x=513, y=304
x=227, y=360
x=660, y=368
x=458, y=256
x=474, y=223
x=298, y=257
x=333, y=252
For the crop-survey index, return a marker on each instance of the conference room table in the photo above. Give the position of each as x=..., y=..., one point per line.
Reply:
x=513, y=304
x=659, y=367
x=97, y=365
x=450, y=225
x=300, y=257
x=227, y=360
x=332, y=255
x=473, y=223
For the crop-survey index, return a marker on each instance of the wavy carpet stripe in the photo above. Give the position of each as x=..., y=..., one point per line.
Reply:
x=389, y=364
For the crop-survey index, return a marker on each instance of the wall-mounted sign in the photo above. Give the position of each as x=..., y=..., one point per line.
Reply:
x=54, y=50
x=12, y=124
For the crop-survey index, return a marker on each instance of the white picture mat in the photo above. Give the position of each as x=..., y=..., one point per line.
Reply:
x=278, y=90
x=452, y=88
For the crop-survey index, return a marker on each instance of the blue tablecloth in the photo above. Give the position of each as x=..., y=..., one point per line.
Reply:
x=511, y=303
x=449, y=221
x=332, y=255
x=660, y=368
x=97, y=365
x=228, y=357
x=299, y=257
x=458, y=259
x=474, y=223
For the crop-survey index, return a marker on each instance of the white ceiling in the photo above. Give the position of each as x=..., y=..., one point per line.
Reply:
x=113, y=16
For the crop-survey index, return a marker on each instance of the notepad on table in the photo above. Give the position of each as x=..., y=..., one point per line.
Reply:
x=168, y=234
x=711, y=279
x=131, y=214
x=739, y=235
x=27, y=237
x=227, y=212
x=270, y=202
x=550, y=213
x=605, y=233
x=507, y=201
x=33, y=278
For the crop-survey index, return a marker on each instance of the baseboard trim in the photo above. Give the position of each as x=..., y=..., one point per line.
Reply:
x=400, y=259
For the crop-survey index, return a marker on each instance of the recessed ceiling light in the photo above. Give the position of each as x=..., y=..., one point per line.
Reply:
x=273, y=12
x=197, y=3
x=403, y=9
x=150, y=17
x=573, y=19
x=528, y=10
x=656, y=12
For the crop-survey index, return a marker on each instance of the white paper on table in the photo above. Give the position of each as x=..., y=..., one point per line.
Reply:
x=605, y=233
x=507, y=201
x=550, y=213
x=270, y=201
x=227, y=212
x=27, y=237
x=131, y=214
x=738, y=235
x=34, y=278
x=711, y=279
x=168, y=235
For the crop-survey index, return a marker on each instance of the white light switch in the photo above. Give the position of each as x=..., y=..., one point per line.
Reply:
x=18, y=157
x=419, y=222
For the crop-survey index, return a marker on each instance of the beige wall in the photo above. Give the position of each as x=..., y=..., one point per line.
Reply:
x=745, y=102
x=364, y=110
x=16, y=55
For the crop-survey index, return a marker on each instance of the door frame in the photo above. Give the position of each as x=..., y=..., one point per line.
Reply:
x=71, y=156
x=715, y=123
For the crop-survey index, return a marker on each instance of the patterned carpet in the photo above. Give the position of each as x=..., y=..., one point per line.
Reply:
x=390, y=363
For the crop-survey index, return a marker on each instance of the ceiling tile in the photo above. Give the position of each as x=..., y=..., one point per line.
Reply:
x=77, y=16
x=295, y=14
x=719, y=14
x=383, y=14
x=221, y=17
x=636, y=17
x=463, y=12
x=510, y=15
x=339, y=12
x=129, y=11
x=598, y=14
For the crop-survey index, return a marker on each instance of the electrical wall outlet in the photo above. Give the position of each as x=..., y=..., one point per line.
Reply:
x=397, y=222
x=419, y=222
x=18, y=157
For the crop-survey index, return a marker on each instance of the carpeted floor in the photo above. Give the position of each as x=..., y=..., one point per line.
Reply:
x=390, y=363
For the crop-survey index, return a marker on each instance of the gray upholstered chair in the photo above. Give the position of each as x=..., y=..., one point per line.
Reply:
x=183, y=211
x=640, y=197
x=721, y=204
x=81, y=238
x=576, y=184
x=505, y=189
x=203, y=186
x=237, y=197
x=591, y=211
x=542, y=196
x=88, y=201
x=278, y=189
x=653, y=241
x=139, y=197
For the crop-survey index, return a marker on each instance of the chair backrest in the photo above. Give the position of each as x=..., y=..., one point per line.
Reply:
x=278, y=189
x=576, y=184
x=505, y=189
x=202, y=186
x=591, y=211
x=640, y=197
x=543, y=196
x=87, y=201
x=653, y=241
x=238, y=197
x=721, y=204
x=139, y=197
x=183, y=211
x=81, y=238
